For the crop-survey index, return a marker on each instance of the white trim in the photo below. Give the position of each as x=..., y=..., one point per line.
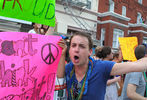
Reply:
x=137, y=25
x=145, y=37
x=123, y=25
x=138, y=31
x=112, y=22
x=114, y=15
x=15, y=20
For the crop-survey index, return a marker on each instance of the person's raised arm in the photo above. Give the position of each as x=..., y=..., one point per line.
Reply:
x=61, y=65
x=122, y=68
x=131, y=93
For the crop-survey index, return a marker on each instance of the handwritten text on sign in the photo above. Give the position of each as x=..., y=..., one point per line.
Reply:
x=38, y=11
x=28, y=65
x=128, y=45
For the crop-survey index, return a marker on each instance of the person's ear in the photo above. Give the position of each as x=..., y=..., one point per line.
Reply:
x=90, y=52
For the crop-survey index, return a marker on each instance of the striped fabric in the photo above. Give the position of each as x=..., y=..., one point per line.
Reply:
x=60, y=89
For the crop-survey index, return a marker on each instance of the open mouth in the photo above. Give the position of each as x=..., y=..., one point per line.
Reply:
x=76, y=57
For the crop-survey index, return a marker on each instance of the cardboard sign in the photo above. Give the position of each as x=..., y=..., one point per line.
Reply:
x=28, y=65
x=37, y=11
x=128, y=45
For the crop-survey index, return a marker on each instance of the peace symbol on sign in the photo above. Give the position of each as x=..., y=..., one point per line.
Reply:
x=48, y=53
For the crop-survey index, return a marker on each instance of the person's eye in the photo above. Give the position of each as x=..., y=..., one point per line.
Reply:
x=73, y=45
x=82, y=46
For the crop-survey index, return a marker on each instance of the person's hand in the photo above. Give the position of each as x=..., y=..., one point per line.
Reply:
x=42, y=31
x=118, y=79
x=63, y=45
x=120, y=55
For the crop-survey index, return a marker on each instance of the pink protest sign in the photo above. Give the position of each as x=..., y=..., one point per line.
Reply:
x=28, y=65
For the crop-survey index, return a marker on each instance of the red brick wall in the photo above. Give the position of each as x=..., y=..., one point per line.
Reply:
x=132, y=7
x=109, y=32
x=103, y=6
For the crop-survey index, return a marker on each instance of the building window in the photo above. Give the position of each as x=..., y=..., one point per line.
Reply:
x=139, y=18
x=140, y=1
x=145, y=40
x=116, y=34
x=123, y=10
x=102, y=36
x=111, y=6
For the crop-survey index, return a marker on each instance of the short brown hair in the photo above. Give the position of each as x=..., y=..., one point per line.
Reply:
x=115, y=55
x=98, y=49
x=140, y=51
x=106, y=50
x=84, y=35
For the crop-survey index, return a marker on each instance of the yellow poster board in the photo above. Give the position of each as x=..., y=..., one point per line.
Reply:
x=128, y=45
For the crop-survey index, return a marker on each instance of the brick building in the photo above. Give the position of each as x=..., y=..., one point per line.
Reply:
x=118, y=18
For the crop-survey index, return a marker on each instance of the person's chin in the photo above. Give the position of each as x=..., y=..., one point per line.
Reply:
x=76, y=63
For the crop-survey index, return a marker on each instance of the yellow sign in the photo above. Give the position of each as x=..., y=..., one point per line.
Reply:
x=128, y=45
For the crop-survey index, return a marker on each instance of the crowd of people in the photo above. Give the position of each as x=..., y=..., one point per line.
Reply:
x=42, y=29
x=81, y=76
x=90, y=79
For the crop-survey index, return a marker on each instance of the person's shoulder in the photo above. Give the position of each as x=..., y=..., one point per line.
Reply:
x=98, y=61
x=100, y=64
x=104, y=62
x=32, y=31
x=134, y=74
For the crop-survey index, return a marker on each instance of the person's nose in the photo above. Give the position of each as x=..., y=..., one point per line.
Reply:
x=77, y=49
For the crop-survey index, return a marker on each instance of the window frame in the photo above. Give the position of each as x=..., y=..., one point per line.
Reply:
x=111, y=6
x=140, y=1
x=124, y=10
x=144, y=40
x=139, y=18
x=118, y=33
x=103, y=31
